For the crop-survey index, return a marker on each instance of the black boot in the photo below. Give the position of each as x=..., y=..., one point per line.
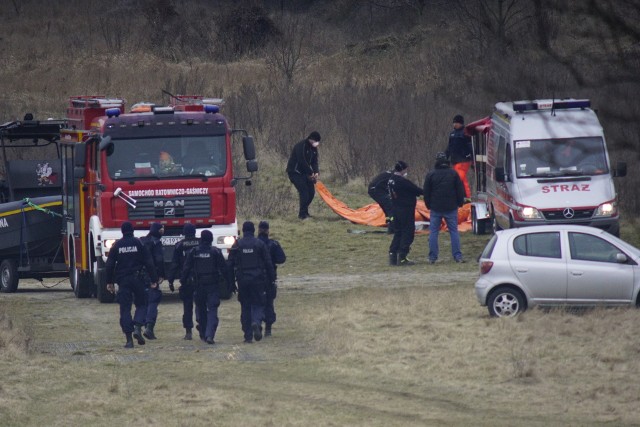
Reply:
x=137, y=334
x=148, y=332
x=393, y=258
x=188, y=336
x=403, y=260
x=129, y=343
x=267, y=330
x=257, y=331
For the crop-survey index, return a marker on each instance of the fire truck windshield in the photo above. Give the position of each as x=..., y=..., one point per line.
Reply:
x=560, y=157
x=172, y=157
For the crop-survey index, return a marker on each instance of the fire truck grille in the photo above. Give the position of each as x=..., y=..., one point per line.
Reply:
x=568, y=214
x=177, y=207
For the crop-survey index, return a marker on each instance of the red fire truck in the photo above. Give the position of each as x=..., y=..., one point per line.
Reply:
x=168, y=164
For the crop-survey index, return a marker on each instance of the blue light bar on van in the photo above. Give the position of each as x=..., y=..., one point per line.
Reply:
x=112, y=112
x=520, y=106
x=213, y=109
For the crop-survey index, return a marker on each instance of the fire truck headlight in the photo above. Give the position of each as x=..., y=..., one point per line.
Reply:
x=226, y=240
x=108, y=244
x=606, y=209
x=530, y=213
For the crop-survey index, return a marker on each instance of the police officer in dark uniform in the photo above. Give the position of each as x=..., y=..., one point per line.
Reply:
x=154, y=294
x=206, y=265
x=379, y=191
x=277, y=257
x=403, y=195
x=186, y=289
x=127, y=257
x=250, y=262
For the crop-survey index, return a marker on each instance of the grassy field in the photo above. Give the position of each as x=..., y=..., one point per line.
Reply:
x=356, y=343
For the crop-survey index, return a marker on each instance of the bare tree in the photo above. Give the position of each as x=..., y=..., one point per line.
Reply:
x=286, y=51
x=491, y=23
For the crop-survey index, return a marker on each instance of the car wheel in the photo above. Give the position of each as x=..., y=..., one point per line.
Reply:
x=505, y=302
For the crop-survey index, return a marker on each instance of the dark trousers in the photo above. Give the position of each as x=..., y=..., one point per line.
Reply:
x=186, y=295
x=306, y=190
x=154, y=296
x=387, y=206
x=269, y=312
x=250, y=314
x=405, y=228
x=131, y=291
x=207, y=303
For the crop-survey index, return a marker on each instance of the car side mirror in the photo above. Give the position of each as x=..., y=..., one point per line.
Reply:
x=621, y=258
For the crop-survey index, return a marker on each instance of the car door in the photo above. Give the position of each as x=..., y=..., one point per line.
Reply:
x=594, y=275
x=536, y=260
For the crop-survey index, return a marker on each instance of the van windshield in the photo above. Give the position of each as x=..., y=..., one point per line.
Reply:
x=171, y=157
x=560, y=157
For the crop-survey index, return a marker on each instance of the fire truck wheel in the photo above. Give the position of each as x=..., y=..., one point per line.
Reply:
x=8, y=276
x=82, y=283
x=100, y=279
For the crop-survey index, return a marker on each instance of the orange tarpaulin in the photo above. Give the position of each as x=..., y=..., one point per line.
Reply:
x=373, y=215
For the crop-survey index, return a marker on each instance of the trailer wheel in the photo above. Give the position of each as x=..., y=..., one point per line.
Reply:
x=100, y=279
x=478, y=225
x=8, y=276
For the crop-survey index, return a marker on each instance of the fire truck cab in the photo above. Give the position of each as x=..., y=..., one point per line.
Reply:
x=542, y=162
x=168, y=164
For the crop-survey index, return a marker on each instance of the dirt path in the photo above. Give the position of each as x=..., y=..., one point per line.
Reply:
x=86, y=330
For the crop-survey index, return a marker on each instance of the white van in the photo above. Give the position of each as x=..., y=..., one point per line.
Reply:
x=542, y=162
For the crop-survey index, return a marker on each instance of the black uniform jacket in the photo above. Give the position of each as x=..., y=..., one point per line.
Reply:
x=127, y=257
x=206, y=265
x=303, y=159
x=403, y=192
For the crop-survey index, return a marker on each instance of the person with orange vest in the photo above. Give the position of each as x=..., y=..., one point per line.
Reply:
x=460, y=152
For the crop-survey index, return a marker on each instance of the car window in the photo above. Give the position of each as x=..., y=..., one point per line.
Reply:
x=545, y=245
x=592, y=248
x=488, y=250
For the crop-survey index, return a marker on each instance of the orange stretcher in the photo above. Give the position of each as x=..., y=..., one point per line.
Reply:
x=373, y=215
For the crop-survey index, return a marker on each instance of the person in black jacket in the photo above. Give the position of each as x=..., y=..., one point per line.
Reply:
x=303, y=171
x=125, y=263
x=443, y=195
x=250, y=262
x=154, y=294
x=187, y=288
x=403, y=194
x=379, y=191
x=206, y=265
x=459, y=152
x=277, y=257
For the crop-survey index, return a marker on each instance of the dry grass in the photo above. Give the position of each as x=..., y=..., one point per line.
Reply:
x=356, y=343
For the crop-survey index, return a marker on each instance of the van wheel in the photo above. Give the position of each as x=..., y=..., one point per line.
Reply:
x=505, y=302
x=495, y=225
x=8, y=276
x=477, y=226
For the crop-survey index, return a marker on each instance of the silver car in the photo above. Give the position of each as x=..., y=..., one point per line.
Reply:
x=556, y=265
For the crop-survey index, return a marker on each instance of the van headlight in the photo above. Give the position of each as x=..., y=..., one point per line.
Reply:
x=606, y=209
x=528, y=212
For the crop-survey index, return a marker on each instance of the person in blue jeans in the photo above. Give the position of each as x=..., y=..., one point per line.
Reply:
x=444, y=193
